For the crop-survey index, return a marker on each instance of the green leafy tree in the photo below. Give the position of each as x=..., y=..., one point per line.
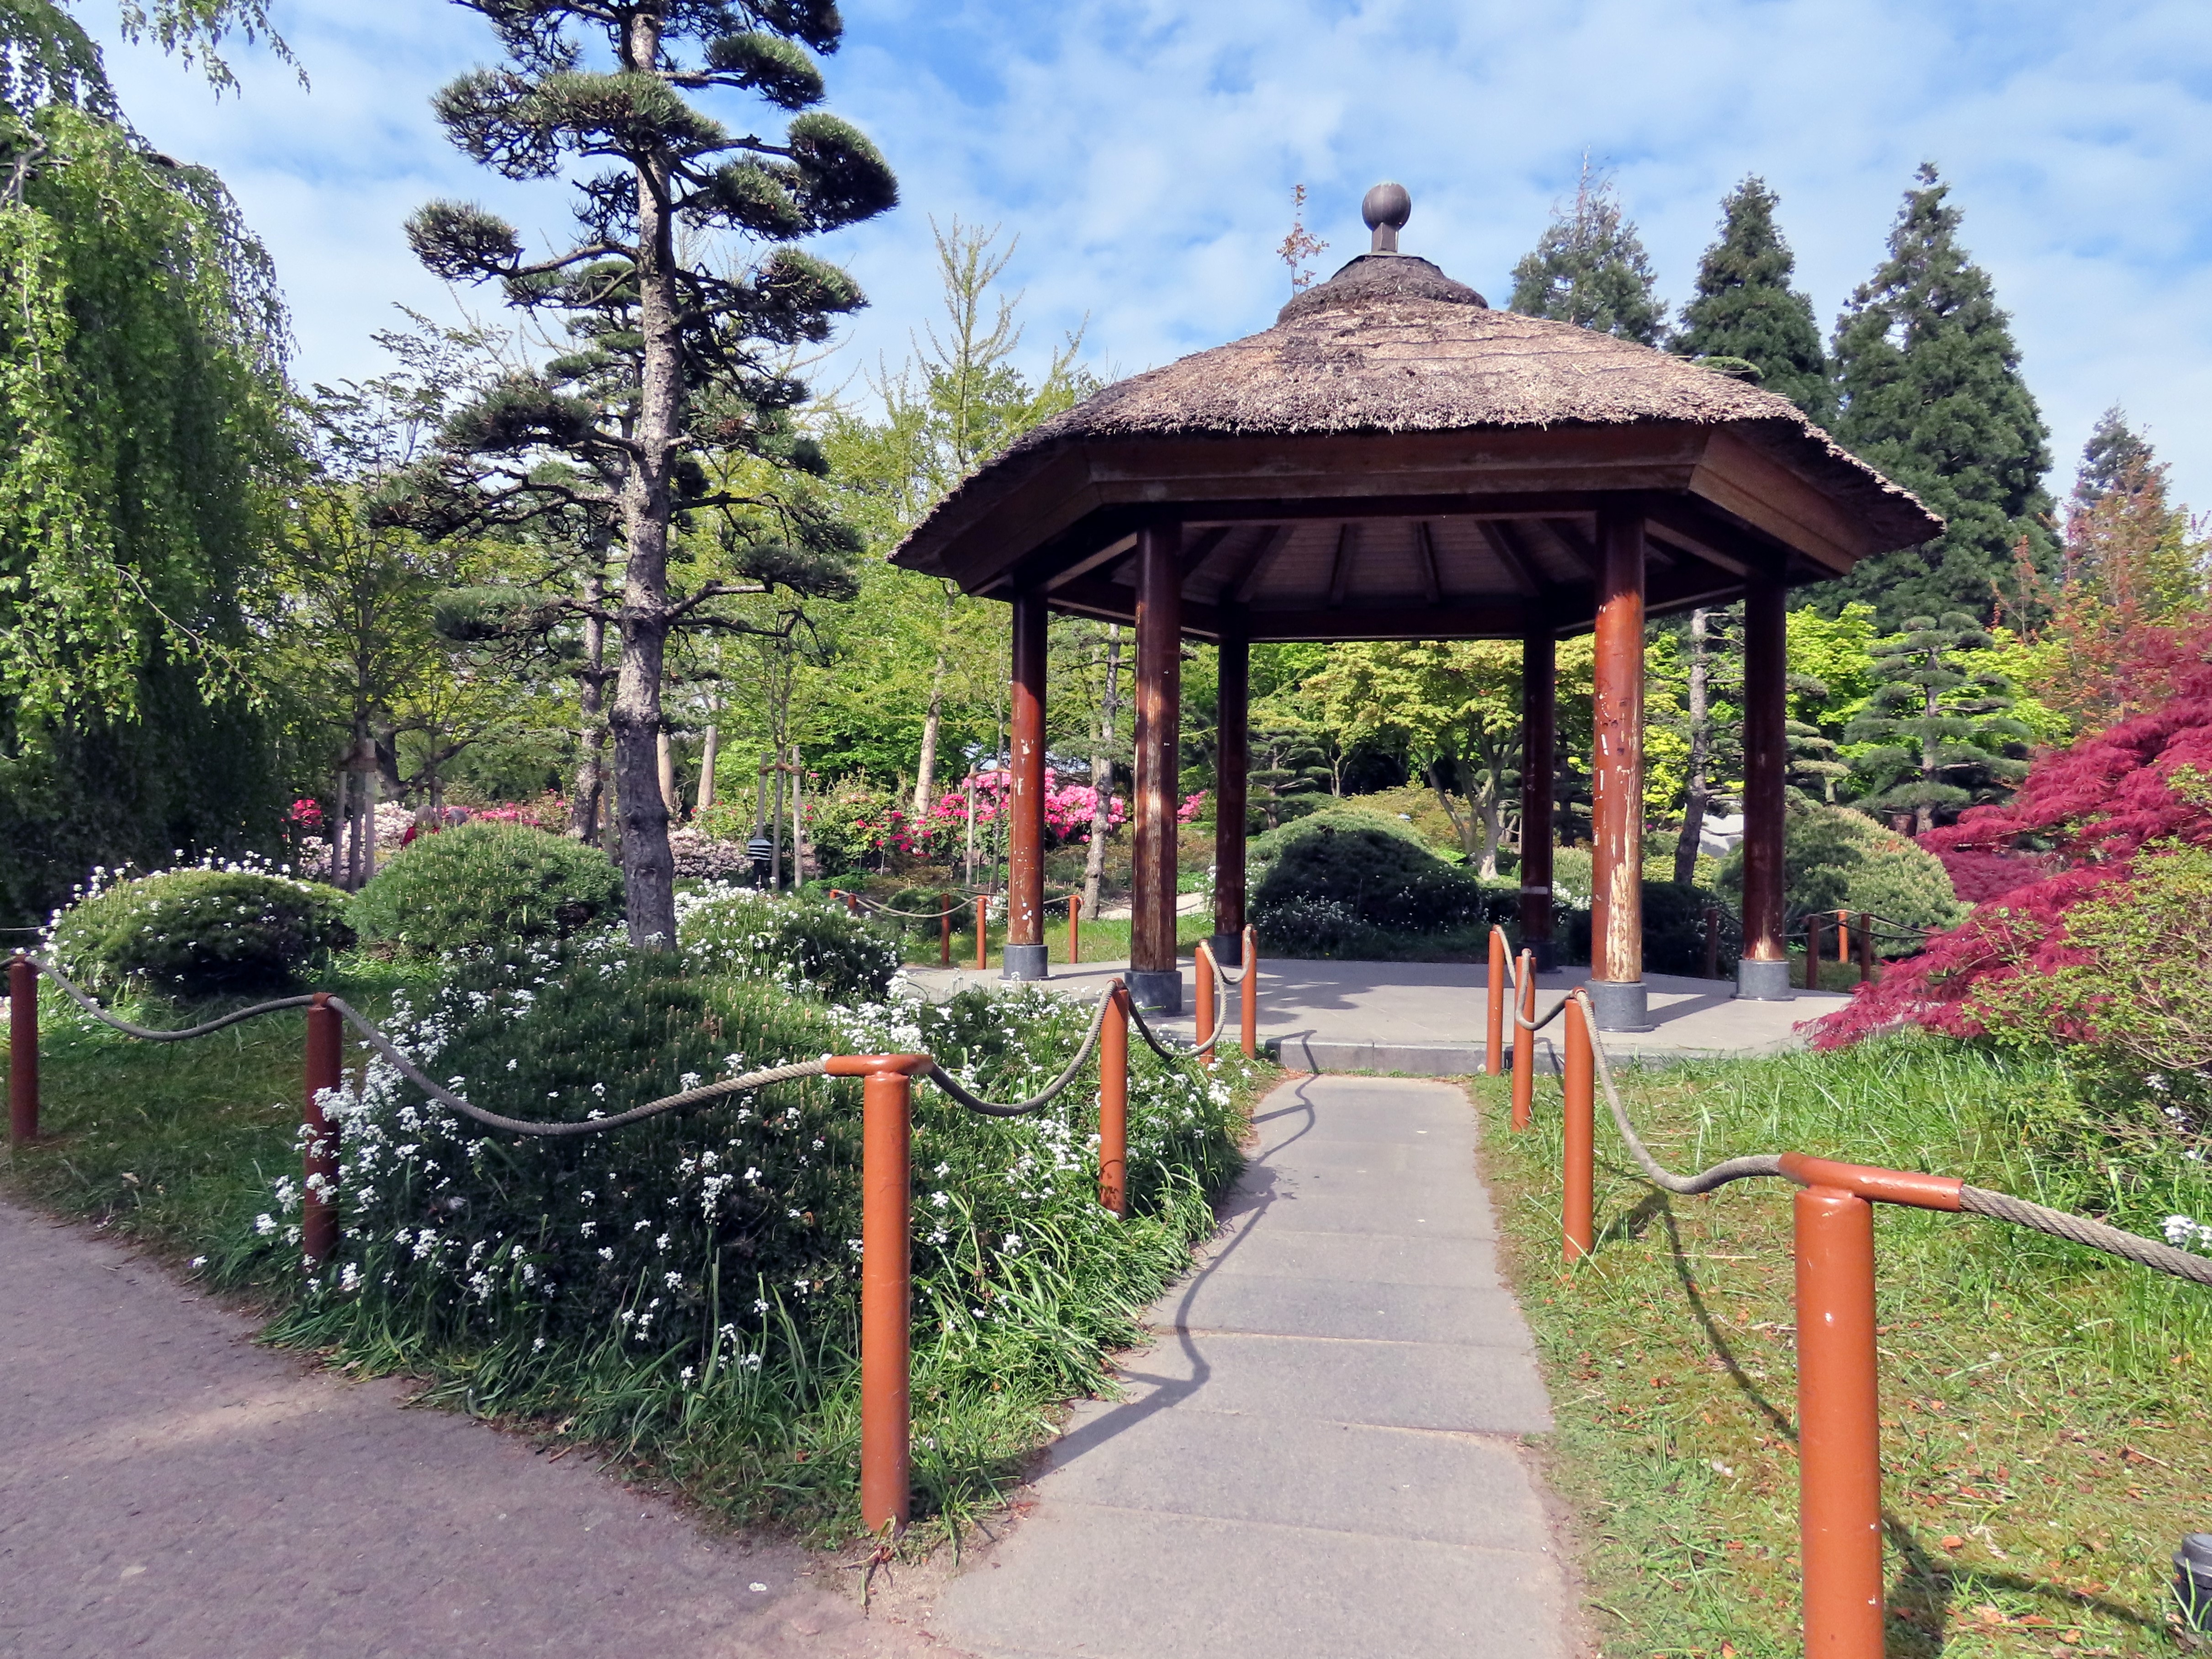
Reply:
x=1932, y=394
x=1745, y=312
x=674, y=403
x=1590, y=268
x=1941, y=735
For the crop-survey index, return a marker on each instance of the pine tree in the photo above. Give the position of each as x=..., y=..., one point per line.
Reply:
x=1931, y=394
x=675, y=405
x=2114, y=450
x=1590, y=268
x=1746, y=310
x=1942, y=741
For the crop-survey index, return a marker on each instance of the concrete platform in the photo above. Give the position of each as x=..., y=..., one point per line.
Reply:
x=1426, y=1018
x=1323, y=1455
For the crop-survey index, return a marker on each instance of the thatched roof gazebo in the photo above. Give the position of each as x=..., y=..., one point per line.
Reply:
x=1394, y=460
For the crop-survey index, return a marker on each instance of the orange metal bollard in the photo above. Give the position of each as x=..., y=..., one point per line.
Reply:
x=944, y=930
x=1114, y=1103
x=1074, y=928
x=318, y=1152
x=23, y=1051
x=1843, y=937
x=886, y=1282
x=1839, y=1436
x=1581, y=1113
x=852, y=903
x=1493, y=1050
x=1204, y=1025
x=1524, y=1044
x=983, y=930
x=1866, y=946
x=1812, y=953
x=1248, y=998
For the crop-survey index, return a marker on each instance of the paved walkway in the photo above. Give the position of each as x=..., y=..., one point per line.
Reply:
x=1321, y=1458
x=1427, y=1018
x=166, y=1486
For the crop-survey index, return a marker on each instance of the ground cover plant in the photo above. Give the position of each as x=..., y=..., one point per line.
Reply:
x=2042, y=1406
x=198, y=932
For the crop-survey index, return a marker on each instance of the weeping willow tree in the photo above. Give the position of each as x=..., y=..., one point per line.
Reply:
x=143, y=450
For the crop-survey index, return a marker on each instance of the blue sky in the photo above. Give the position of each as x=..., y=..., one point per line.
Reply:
x=1146, y=152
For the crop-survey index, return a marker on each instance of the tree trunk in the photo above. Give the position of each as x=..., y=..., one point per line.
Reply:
x=925, y=776
x=707, y=752
x=591, y=728
x=341, y=821
x=1102, y=775
x=663, y=752
x=776, y=828
x=1924, y=816
x=1698, y=795
x=366, y=761
x=798, y=821
x=1441, y=771
x=648, y=866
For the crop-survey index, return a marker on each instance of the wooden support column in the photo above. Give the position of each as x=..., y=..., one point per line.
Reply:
x=1232, y=763
x=1762, y=970
x=1540, y=726
x=1155, y=980
x=1616, y=982
x=1025, y=955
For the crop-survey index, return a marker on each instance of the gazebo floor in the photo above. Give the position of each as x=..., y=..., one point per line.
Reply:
x=1426, y=1018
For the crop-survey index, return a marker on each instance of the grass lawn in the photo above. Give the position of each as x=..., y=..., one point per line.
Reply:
x=2043, y=1408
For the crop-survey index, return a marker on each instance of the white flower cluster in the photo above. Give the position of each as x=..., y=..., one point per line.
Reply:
x=2187, y=1233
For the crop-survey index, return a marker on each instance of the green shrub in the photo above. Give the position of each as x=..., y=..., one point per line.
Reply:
x=200, y=933
x=1673, y=930
x=1834, y=859
x=1343, y=815
x=487, y=885
x=799, y=944
x=1334, y=885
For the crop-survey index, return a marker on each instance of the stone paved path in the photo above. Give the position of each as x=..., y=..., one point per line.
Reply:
x=1321, y=1459
x=167, y=1488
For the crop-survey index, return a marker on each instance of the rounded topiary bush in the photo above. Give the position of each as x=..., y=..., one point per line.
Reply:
x=1336, y=888
x=1834, y=859
x=800, y=944
x=200, y=933
x=482, y=884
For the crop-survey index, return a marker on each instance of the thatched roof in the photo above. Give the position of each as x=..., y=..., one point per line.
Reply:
x=1392, y=346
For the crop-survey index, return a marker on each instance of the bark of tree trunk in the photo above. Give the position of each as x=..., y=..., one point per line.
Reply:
x=1698, y=795
x=1102, y=775
x=708, y=750
x=798, y=821
x=648, y=867
x=925, y=775
x=341, y=822
x=663, y=756
x=591, y=728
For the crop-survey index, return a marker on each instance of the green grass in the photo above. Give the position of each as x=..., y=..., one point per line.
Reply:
x=2043, y=1408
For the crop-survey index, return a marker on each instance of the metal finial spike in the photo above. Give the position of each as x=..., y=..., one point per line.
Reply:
x=1386, y=208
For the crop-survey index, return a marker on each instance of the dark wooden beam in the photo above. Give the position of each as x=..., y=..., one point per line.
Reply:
x=1739, y=551
x=1201, y=549
x=1505, y=542
x=1347, y=550
x=1236, y=587
x=1121, y=548
x=1424, y=546
x=1578, y=545
x=1501, y=619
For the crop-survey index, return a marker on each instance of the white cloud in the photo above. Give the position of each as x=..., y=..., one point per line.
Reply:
x=1146, y=152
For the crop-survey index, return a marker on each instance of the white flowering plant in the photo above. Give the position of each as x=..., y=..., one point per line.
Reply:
x=803, y=944
x=206, y=929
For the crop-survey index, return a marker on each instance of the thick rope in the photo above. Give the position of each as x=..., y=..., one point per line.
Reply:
x=2080, y=1230
x=1735, y=1169
x=1513, y=972
x=85, y=1001
x=1168, y=1049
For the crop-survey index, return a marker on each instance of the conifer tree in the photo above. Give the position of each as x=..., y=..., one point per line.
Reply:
x=1746, y=310
x=1590, y=268
x=1943, y=739
x=2114, y=450
x=1931, y=394
x=674, y=406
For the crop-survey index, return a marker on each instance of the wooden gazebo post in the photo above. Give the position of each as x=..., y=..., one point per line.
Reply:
x=1540, y=666
x=1155, y=980
x=1763, y=970
x=1616, y=982
x=1233, y=761
x=1025, y=956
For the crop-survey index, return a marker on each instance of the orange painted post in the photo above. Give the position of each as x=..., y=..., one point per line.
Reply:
x=1839, y=1443
x=1843, y=938
x=1074, y=928
x=1493, y=1050
x=1248, y=1009
x=1204, y=1028
x=886, y=1286
x=1581, y=1115
x=1524, y=1043
x=1114, y=1103
x=1866, y=946
x=1813, y=953
x=944, y=930
x=983, y=930
x=1712, y=941
x=23, y=1051
x=852, y=904
x=318, y=1152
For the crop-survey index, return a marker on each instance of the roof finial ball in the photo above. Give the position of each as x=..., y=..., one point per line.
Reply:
x=1386, y=208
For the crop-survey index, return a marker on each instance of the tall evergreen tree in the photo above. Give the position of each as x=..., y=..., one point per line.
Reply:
x=1590, y=268
x=675, y=405
x=2115, y=452
x=1932, y=394
x=1746, y=309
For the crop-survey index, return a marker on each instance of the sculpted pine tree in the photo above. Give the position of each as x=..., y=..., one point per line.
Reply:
x=1590, y=268
x=1745, y=311
x=1932, y=395
x=674, y=411
x=1941, y=738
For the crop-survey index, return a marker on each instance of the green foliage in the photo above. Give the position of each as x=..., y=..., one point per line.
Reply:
x=1835, y=859
x=1940, y=733
x=1337, y=884
x=1590, y=268
x=1932, y=395
x=799, y=944
x=1266, y=848
x=486, y=886
x=1674, y=930
x=1746, y=309
x=200, y=933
